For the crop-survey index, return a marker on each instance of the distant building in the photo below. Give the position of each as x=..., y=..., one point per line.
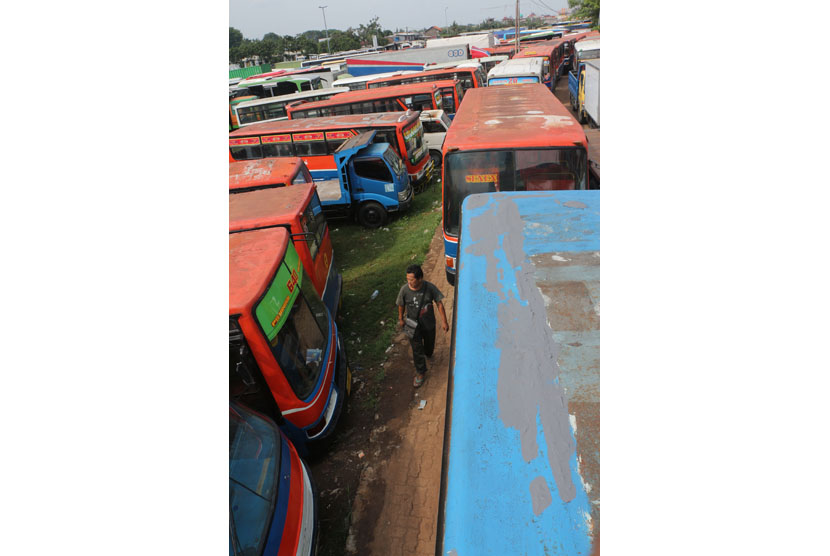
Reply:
x=408, y=37
x=433, y=32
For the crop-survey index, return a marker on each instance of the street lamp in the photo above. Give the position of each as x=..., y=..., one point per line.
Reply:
x=326, y=26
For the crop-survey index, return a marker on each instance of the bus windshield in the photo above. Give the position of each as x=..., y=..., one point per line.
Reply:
x=509, y=170
x=414, y=139
x=255, y=447
x=296, y=324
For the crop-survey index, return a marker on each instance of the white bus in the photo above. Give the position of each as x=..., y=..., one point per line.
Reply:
x=518, y=70
x=273, y=108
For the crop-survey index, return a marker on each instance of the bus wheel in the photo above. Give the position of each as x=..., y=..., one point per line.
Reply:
x=436, y=158
x=371, y=214
x=450, y=278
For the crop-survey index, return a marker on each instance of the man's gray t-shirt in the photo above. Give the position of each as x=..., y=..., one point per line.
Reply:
x=418, y=300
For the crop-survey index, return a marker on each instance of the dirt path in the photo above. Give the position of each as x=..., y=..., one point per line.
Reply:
x=396, y=504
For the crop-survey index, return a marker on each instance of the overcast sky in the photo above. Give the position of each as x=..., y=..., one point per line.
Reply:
x=257, y=17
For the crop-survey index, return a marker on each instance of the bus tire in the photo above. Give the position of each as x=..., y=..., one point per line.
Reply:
x=450, y=278
x=436, y=158
x=371, y=214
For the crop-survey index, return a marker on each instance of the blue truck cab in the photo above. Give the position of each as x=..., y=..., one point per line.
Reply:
x=372, y=182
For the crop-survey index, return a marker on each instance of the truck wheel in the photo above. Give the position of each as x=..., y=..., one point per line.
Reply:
x=436, y=158
x=371, y=214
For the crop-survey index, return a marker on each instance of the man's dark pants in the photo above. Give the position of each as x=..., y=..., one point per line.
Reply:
x=423, y=344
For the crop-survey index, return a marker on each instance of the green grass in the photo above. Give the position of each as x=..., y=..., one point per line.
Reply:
x=372, y=260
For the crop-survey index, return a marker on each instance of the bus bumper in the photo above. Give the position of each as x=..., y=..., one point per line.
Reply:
x=421, y=179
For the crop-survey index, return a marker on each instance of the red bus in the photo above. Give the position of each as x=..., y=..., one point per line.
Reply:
x=517, y=138
x=315, y=140
x=469, y=77
x=434, y=95
x=286, y=354
x=297, y=209
x=553, y=51
x=267, y=172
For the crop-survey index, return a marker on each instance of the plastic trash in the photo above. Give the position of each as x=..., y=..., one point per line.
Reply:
x=375, y=294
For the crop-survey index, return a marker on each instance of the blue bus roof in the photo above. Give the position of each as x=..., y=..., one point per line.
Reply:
x=521, y=474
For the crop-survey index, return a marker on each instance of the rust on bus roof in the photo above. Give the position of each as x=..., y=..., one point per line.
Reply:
x=528, y=114
x=268, y=207
x=254, y=259
x=347, y=121
x=263, y=171
x=364, y=95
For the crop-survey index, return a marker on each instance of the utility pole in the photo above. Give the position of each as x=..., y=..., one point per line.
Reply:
x=517, y=26
x=328, y=49
x=445, y=18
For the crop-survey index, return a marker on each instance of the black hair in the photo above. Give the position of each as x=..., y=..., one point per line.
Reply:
x=416, y=270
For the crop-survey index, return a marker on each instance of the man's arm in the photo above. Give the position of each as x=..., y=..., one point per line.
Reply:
x=444, y=325
x=400, y=315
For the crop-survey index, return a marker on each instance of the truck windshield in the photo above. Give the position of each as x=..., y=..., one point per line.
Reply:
x=255, y=447
x=509, y=170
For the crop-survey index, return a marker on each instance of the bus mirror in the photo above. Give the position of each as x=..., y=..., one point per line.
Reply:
x=578, y=143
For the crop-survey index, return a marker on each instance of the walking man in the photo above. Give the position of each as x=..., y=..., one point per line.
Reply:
x=417, y=296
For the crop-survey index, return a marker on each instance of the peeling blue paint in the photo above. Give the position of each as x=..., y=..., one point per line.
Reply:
x=510, y=436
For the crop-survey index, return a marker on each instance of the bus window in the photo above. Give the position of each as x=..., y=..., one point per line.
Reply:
x=373, y=169
x=475, y=172
x=248, y=152
x=447, y=100
x=277, y=149
x=274, y=110
x=420, y=102
x=549, y=169
x=314, y=222
x=310, y=148
x=305, y=86
x=342, y=110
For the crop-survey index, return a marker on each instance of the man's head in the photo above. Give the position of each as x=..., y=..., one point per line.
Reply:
x=414, y=276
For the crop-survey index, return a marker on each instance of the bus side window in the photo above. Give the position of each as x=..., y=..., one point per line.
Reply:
x=277, y=149
x=310, y=148
x=246, y=153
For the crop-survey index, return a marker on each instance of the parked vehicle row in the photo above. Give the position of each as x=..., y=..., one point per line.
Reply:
x=506, y=148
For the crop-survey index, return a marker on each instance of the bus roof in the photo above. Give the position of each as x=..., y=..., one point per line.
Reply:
x=517, y=66
x=492, y=117
x=263, y=171
x=304, y=124
x=543, y=48
x=460, y=64
x=522, y=458
x=294, y=96
x=586, y=44
x=382, y=92
x=254, y=259
x=268, y=207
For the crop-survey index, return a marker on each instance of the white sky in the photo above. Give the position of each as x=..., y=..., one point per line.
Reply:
x=257, y=17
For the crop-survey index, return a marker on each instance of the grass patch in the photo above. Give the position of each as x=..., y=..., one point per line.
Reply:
x=372, y=260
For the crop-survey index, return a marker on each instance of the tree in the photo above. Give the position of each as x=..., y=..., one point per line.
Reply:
x=365, y=32
x=235, y=37
x=343, y=41
x=585, y=9
x=271, y=37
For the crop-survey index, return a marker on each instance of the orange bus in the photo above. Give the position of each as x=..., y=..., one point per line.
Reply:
x=267, y=172
x=435, y=95
x=553, y=51
x=315, y=140
x=470, y=77
x=517, y=138
x=297, y=209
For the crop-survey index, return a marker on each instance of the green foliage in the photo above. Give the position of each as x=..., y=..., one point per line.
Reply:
x=235, y=37
x=343, y=41
x=585, y=9
x=357, y=253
